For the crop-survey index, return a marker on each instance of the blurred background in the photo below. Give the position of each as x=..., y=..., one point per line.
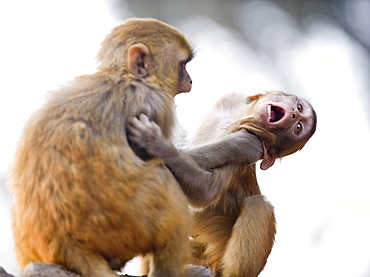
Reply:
x=316, y=49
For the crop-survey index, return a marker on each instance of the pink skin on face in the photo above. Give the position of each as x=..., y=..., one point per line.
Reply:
x=292, y=115
x=186, y=82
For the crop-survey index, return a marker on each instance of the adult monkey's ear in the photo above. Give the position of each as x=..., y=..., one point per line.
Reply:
x=268, y=159
x=139, y=60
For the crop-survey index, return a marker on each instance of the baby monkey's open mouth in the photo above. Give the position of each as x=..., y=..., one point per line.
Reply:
x=275, y=113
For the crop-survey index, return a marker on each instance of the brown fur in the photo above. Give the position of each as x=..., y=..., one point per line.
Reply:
x=234, y=231
x=237, y=231
x=82, y=195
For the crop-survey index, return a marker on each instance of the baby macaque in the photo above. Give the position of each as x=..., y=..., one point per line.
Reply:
x=234, y=231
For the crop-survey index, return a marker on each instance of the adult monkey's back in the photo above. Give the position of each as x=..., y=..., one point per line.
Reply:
x=82, y=196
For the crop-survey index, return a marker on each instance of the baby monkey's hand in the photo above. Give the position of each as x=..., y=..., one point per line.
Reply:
x=146, y=134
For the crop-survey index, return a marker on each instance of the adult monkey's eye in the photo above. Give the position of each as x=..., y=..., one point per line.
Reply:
x=299, y=107
x=298, y=128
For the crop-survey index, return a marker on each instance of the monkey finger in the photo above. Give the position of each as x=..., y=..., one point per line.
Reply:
x=135, y=124
x=135, y=140
x=147, y=123
x=150, y=124
x=157, y=130
x=137, y=131
x=134, y=135
x=143, y=118
x=142, y=123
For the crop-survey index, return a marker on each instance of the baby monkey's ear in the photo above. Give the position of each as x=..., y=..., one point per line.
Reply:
x=268, y=159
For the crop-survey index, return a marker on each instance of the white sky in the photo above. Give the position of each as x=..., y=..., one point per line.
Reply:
x=321, y=195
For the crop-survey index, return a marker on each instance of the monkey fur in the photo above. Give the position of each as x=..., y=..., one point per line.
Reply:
x=83, y=197
x=234, y=229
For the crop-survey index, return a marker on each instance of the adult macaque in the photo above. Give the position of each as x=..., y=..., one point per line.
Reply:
x=234, y=232
x=84, y=198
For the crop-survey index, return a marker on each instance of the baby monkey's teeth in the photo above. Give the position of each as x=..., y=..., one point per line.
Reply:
x=269, y=112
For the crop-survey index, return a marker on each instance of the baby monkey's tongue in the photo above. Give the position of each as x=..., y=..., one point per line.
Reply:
x=272, y=116
x=276, y=113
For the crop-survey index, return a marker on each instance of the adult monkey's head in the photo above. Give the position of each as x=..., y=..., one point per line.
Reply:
x=284, y=122
x=150, y=50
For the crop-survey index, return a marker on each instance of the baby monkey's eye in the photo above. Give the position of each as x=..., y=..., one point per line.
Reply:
x=299, y=107
x=298, y=128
